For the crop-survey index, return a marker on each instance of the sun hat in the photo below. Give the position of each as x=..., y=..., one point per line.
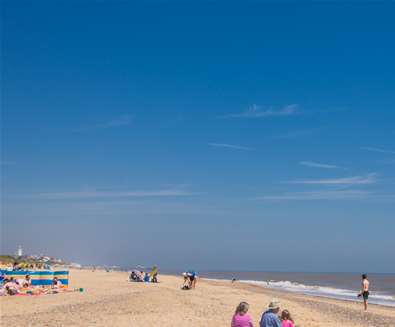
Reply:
x=274, y=304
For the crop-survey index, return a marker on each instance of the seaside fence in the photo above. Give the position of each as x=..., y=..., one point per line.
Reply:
x=39, y=278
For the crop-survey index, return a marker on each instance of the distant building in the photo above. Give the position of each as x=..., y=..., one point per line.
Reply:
x=19, y=252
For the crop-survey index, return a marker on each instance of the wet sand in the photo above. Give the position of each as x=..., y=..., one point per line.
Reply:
x=110, y=300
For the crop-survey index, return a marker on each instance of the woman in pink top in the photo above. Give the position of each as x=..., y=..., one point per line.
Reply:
x=286, y=319
x=241, y=318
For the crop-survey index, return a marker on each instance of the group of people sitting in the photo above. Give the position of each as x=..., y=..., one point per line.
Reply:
x=141, y=276
x=190, y=278
x=12, y=286
x=272, y=317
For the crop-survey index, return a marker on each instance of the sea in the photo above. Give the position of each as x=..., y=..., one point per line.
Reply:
x=343, y=286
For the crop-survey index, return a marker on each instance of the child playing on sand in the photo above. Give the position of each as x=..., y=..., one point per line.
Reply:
x=241, y=318
x=286, y=319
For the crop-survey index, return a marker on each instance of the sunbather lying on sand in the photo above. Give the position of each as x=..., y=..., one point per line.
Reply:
x=11, y=286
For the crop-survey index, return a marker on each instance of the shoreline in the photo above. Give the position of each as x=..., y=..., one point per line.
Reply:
x=294, y=295
x=287, y=291
x=109, y=297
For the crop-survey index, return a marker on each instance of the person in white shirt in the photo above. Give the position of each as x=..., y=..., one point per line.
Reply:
x=56, y=283
x=26, y=282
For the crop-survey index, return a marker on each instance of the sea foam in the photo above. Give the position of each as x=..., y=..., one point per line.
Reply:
x=323, y=291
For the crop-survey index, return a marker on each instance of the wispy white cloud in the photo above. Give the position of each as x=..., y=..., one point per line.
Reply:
x=256, y=111
x=92, y=194
x=318, y=195
x=368, y=148
x=353, y=180
x=317, y=165
x=231, y=146
x=120, y=121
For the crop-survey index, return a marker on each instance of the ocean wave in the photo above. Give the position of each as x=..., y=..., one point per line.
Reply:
x=323, y=291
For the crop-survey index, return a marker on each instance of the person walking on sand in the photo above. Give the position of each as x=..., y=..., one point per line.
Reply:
x=241, y=318
x=364, y=291
x=270, y=317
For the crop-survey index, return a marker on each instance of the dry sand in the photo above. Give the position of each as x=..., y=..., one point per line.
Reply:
x=110, y=300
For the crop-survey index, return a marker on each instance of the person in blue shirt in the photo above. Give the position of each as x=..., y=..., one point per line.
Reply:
x=270, y=317
x=146, y=277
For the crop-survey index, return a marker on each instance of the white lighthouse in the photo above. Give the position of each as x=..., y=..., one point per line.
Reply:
x=19, y=252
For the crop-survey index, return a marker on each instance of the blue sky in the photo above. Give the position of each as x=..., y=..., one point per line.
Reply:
x=200, y=134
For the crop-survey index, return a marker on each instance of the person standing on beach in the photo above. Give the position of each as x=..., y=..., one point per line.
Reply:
x=364, y=291
x=270, y=317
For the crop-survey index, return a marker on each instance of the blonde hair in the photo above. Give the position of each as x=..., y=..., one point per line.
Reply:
x=286, y=315
x=242, y=308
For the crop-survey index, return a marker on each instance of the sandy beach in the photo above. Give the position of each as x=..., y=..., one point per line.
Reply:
x=109, y=299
